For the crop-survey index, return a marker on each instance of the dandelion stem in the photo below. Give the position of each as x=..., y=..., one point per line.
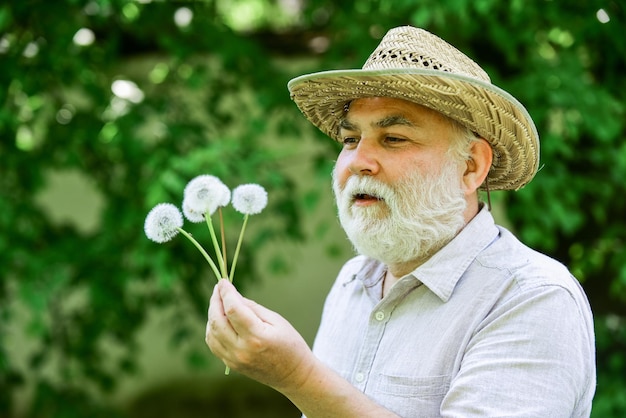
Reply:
x=216, y=245
x=222, y=233
x=204, y=253
x=243, y=229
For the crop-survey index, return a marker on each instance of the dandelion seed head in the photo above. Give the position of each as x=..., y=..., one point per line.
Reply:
x=249, y=199
x=162, y=222
x=224, y=196
x=192, y=215
x=204, y=194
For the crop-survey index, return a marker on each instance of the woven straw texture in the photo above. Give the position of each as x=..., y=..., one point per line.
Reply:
x=415, y=65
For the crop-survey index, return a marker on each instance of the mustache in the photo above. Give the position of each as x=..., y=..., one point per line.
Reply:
x=358, y=187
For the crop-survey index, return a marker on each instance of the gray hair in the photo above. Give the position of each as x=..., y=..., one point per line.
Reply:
x=462, y=140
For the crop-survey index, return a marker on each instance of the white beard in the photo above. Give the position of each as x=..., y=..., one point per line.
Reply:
x=412, y=220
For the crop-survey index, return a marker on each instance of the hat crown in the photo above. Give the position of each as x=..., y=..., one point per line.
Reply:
x=415, y=65
x=409, y=47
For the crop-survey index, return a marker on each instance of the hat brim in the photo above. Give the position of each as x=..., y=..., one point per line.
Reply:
x=484, y=108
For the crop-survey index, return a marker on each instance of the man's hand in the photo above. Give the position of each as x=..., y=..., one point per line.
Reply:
x=263, y=346
x=255, y=341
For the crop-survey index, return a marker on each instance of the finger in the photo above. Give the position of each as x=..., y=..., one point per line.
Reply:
x=216, y=308
x=220, y=351
x=217, y=347
x=218, y=333
x=217, y=323
x=242, y=318
x=215, y=313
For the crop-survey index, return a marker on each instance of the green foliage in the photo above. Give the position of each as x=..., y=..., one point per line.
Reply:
x=234, y=397
x=611, y=351
x=87, y=291
x=215, y=101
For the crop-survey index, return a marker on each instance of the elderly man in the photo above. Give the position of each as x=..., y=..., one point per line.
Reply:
x=442, y=313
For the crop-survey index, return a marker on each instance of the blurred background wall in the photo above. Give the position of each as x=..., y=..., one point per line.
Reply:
x=108, y=107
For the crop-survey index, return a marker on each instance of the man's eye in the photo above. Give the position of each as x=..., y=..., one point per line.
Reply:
x=349, y=140
x=394, y=140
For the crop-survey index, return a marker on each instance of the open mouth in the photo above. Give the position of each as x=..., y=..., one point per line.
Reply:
x=364, y=198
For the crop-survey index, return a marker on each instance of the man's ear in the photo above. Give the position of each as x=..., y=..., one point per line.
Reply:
x=478, y=165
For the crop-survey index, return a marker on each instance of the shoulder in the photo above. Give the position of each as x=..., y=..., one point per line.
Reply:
x=519, y=278
x=527, y=267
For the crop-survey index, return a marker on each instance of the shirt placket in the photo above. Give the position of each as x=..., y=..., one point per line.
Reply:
x=375, y=331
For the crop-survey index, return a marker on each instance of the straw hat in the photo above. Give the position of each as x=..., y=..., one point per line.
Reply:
x=415, y=65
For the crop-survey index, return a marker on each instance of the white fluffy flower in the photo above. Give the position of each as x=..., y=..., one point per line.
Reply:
x=249, y=199
x=190, y=214
x=203, y=195
x=162, y=222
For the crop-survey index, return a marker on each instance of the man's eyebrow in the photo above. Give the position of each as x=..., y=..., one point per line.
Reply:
x=385, y=122
x=393, y=120
x=347, y=125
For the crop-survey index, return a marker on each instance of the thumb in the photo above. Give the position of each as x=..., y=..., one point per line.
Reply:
x=242, y=318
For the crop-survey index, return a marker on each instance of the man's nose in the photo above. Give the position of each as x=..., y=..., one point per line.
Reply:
x=364, y=158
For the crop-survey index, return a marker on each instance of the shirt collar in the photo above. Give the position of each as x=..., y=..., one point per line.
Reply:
x=443, y=270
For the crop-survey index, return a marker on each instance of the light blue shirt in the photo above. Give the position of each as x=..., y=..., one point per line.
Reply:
x=486, y=328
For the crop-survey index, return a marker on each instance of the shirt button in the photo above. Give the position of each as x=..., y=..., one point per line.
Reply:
x=359, y=377
x=380, y=315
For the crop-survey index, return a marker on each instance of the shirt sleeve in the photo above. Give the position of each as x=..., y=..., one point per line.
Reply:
x=532, y=356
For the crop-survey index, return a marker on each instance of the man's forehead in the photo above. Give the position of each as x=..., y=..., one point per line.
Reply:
x=383, y=112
